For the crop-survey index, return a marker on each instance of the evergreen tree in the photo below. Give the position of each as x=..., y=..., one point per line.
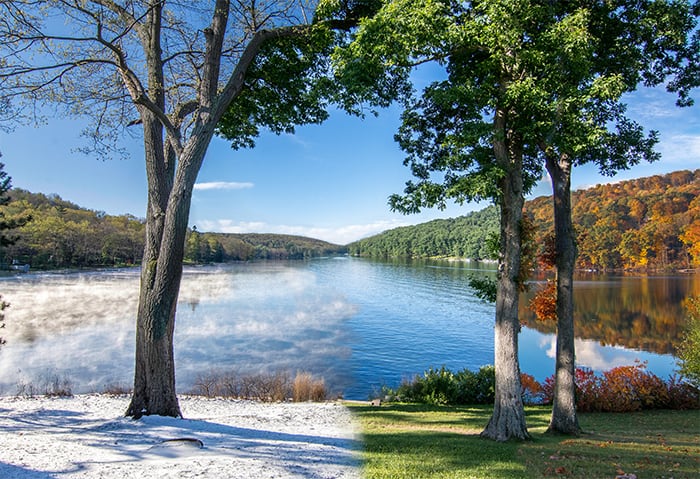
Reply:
x=5, y=225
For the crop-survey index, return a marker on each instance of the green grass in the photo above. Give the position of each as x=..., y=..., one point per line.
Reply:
x=419, y=441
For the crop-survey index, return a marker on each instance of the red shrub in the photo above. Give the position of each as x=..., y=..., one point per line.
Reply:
x=632, y=388
x=651, y=390
x=588, y=387
x=626, y=388
x=618, y=393
x=548, y=390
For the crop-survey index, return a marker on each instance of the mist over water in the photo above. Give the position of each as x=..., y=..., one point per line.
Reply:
x=75, y=325
x=357, y=323
x=248, y=318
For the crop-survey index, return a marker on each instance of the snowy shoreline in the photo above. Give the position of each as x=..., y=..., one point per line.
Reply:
x=87, y=436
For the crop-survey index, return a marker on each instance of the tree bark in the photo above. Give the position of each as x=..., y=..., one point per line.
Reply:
x=508, y=419
x=154, y=369
x=172, y=168
x=564, y=419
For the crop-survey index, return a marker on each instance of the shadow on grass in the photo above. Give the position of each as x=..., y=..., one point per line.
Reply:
x=421, y=441
x=423, y=454
x=472, y=419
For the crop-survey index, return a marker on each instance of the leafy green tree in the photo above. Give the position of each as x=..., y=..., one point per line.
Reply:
x=529, y=83
x=463, y=137
x=578, y=117
x=5, y=225
x=193, y=246
x=689, y=350
x=8, y=223
x=177, y=69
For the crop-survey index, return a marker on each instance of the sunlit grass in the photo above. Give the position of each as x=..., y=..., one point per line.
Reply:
x=650, y=444
x=417, y=441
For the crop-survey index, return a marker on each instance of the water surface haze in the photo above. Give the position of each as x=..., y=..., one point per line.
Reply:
x=251, y=318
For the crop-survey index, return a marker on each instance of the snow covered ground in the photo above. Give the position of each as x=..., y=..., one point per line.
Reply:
x=88, y=437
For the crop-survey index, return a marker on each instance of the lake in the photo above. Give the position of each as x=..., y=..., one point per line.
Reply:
x=356, y=322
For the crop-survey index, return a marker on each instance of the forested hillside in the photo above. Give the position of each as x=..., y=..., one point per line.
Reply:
x=649, y=222
x=463, y=237
x=221, y=247
x=63, y=235
x=644, y=223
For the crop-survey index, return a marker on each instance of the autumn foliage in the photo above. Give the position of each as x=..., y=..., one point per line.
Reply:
x=627, y=389
x=620, y=389
x=544, y=302
x=647, y=223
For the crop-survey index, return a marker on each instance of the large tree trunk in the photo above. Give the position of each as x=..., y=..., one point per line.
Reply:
x=172, y=170
x=508, y=419
x=564, y=419
x=154, y=375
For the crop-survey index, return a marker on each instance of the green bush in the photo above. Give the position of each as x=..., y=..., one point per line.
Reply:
x=689, y=350
x=467, y=387
x=443, y=387
x=486, y=385
x=436, y=386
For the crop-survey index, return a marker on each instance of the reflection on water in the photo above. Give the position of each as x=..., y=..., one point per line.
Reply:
x=357, y=323
x=635, y=312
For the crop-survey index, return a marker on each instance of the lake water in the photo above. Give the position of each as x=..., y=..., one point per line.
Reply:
x=358, y=323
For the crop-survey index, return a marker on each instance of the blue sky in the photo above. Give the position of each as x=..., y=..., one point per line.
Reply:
x=327, y=181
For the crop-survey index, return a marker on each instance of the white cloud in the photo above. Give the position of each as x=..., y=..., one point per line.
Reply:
x=223, y=185
x=592, y=355
x=681, y=149
x=656, y=109
x=341, y=235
